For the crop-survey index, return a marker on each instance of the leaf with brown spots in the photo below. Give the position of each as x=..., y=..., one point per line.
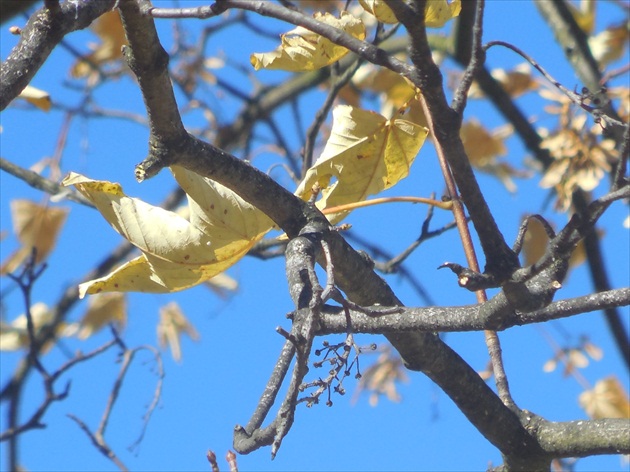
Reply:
x=302, y=50
x=177, y=252
x=365, y=154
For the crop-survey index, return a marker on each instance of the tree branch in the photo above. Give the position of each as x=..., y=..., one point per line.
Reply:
x=380, y=320
x=44, y=30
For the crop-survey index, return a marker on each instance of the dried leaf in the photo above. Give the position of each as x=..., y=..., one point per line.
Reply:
x=14, y=336
x=177, y=252
x=222, y=285
x=610, y=44
x=396, y=91
x=535, y=245
x=438, y=12
x=302, y=50
x=584, y=15
x=382, y=378
x=481, y=145
x=35, y=226
x=380, y=10
x=172, y=325
x=365, y=154
x=109, y=29
x=37, y=97
x=517, y=81
x=103, y=309
x=606, y=400
x=484, y=147
x=322, y=5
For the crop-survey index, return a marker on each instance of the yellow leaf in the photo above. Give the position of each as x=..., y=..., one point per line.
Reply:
x=438, y=12
x=606, y=400
x=222, y=284
x=110, y=30
x=103, y=309
x=172, y=325
x=177, y=252
x=535, y=245
x=609, y=45
x=322, y=5
x=365, y=154
x=380, y=10
x=14, y=336
x=517, y=81
x=36, y=227
x=535, y=242
x=481, y=145
x=37, y=97
x=584, y=15
x=302, y=50
x=382, y=378
x=395, y=90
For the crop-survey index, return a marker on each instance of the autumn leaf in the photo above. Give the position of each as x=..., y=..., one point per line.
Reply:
x=382, y=378
x=14, y=335
x=581, y=156
x=365, y=154
x=380, y=10
x=36, y=97
x=395, y=90
x=438, y=12
x=172, y=325
x=584, y=15
x=177, y=252
x=109, y=29
x=606, y=400
x=222, y=285
x=484, y=148
x=610, y=44
x=302, y=50
x=36, y=227
x=103, y=309
x=535, y=245
x=515, y=82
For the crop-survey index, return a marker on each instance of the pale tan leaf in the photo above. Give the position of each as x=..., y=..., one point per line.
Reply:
x=380, y=10
x=103, y=309
x=438, y=12
x=14, y=335
x=535, y=242
x=365, y=154
x=177, y=252
x=222, y=285
x=584, y=14
x=302, y=50
x=37, y=97
x=109, y=29
x=382, y=378
x=172, y=325
x=36, y=227
x=550, y=365
x=481, y=145
x=606, y=400
x=610, y=44
x=517, y=81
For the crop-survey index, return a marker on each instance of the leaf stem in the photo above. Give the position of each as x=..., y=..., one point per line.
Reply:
x=444, y=205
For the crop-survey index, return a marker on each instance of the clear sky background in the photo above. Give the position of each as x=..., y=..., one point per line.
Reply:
x=222, y=376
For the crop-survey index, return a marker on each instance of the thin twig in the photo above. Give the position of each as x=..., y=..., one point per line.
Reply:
x=477, y=60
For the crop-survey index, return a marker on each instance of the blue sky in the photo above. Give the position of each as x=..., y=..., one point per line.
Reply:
x=222, y=376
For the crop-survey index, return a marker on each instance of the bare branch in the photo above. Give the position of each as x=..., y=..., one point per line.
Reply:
x=379, y=319
x=42, y=183
x=44, y=30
